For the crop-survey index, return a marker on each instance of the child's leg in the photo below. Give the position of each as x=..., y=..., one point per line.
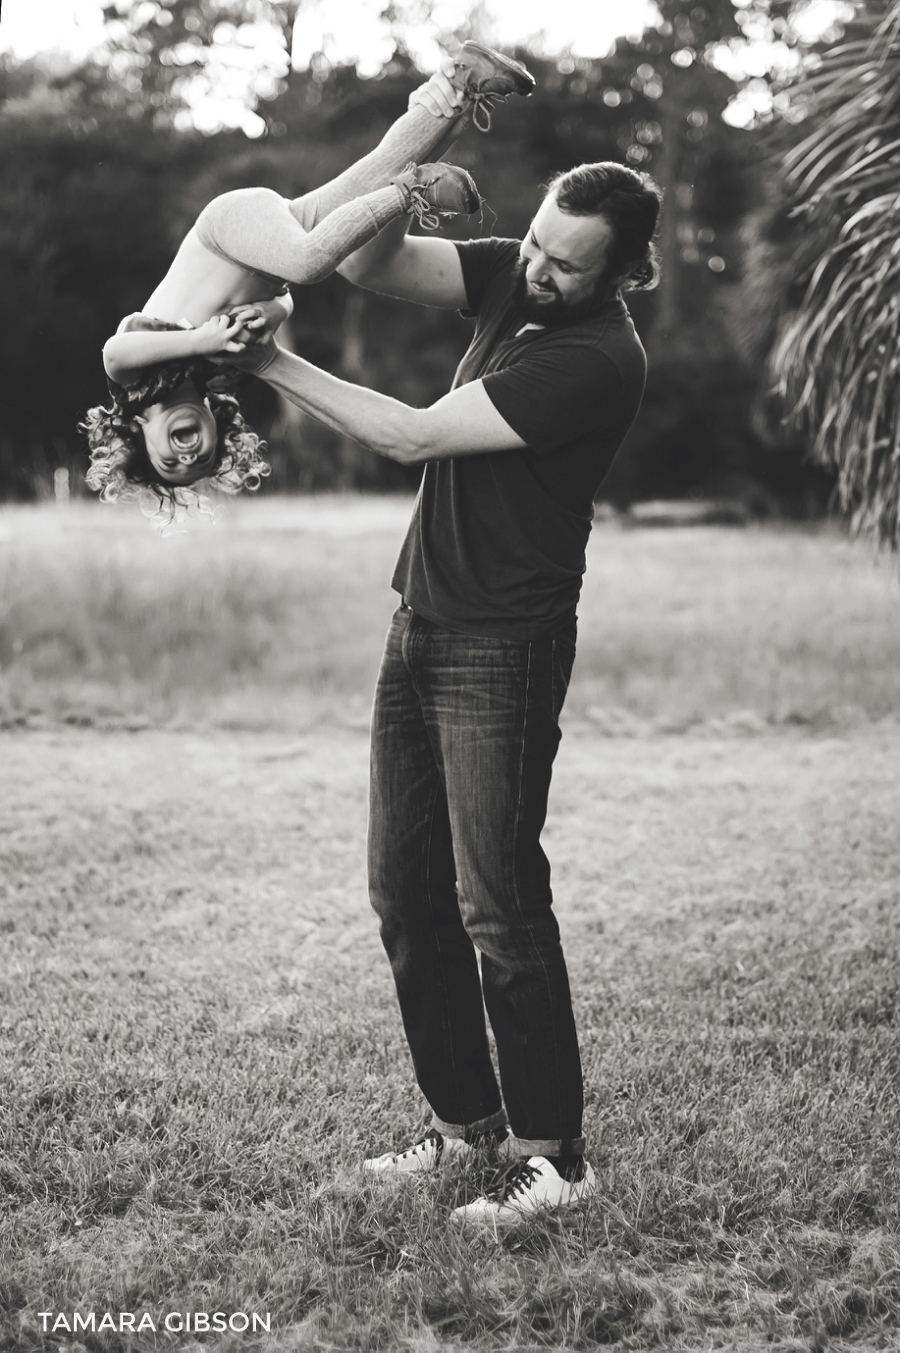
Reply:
x=255, y=228
x=345, y=229
x=480, y=75
x=413, y=138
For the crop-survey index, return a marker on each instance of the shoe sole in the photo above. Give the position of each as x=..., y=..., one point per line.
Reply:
x=445, y=1159
x=468, y=189
x=469, y=192
x=515, y=68
x=499, y=1223
x=515, y=1217
x=389, y=1172
x=496, y=1223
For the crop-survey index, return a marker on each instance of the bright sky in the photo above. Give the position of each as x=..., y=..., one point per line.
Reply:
x=346, y=29
x=352, y=30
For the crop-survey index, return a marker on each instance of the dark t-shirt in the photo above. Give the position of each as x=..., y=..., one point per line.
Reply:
x=497, y=541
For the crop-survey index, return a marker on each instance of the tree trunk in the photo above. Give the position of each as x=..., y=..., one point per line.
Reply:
x=677, y=200
x=289, y=435
x=358, y=467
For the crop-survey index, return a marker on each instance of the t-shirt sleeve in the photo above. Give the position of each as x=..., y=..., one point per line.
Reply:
x=482, y=261
x=551, y=397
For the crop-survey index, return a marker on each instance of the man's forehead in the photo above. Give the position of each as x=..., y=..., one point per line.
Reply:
x=579, y=240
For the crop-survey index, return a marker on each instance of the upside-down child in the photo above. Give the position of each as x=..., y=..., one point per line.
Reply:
x=228, y=286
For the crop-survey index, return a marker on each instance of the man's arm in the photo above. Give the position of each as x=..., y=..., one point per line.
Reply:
x=463, y=423
x=412, y=268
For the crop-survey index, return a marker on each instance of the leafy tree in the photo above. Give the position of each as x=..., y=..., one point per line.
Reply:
x=837, y=358
x=668, y=99
x=102, y=173
x=160, y=51
x=85, y=233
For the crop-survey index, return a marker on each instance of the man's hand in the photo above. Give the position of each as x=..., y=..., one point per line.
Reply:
x=220, y=334
x=253, y=357
x=438, y=96
x=250, y=317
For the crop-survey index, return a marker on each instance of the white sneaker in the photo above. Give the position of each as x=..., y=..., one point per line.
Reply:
x=426, y=1154
x=524, y=1189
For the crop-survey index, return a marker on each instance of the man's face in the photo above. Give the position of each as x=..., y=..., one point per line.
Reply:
x=563, y=262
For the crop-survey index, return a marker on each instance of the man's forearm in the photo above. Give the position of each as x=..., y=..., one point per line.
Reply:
x=377, y=421
x=465, y=422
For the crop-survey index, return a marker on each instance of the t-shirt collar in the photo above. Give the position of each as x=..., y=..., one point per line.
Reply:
x=613, y=303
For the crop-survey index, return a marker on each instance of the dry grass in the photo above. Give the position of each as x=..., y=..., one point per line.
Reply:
x=275, y=618
x=198, y=1038
x=200, y=1042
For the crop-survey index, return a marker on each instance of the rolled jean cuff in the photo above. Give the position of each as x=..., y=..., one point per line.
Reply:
x=550, y=1146
x=467, y=1130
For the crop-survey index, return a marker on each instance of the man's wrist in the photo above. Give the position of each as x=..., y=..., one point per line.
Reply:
x=269, y=351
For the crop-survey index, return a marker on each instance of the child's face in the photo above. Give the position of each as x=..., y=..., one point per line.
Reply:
x=181, y=435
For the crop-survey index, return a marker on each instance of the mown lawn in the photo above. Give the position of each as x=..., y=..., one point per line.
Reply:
x=198, y=1037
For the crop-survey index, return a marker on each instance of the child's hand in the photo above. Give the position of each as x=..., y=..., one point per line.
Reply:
x=222, y=333
x=438, y=95
x=260, y=319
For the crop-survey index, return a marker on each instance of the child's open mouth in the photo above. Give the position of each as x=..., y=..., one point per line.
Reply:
x=187, y=437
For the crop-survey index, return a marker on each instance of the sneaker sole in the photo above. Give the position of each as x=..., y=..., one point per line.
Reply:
x=499, y=1221
x=446, y=1158
x=462, y=180
x=514, y=67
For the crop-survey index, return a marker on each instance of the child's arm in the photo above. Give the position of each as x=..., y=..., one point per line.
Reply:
x=126, y=355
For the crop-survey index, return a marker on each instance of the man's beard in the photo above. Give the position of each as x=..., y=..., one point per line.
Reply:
x=557, y=310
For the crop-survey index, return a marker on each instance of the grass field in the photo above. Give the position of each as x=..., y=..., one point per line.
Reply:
x=198, y=1038
x=275, y=618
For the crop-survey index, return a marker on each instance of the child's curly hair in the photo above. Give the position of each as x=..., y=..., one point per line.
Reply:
x=120, y=467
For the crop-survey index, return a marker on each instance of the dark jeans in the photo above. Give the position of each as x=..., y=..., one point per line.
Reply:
x=464, y=734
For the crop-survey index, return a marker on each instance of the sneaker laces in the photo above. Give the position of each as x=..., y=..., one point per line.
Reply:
x=482, y=108
x=417, y=204
x=432, y=1137
x=510, y=1180
x=421, y=208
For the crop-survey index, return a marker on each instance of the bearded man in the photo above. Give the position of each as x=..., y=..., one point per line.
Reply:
x=479, y=655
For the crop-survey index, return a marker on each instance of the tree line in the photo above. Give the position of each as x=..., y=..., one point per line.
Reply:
x=101, y=178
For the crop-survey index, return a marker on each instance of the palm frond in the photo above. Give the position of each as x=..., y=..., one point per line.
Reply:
x=838, y=359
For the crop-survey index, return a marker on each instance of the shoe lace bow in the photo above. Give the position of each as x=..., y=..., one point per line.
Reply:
x=510, y=1180
x=422, y=208
x=482, y=108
